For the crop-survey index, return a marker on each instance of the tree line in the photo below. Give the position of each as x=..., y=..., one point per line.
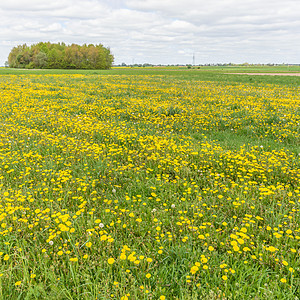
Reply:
x=60, y=56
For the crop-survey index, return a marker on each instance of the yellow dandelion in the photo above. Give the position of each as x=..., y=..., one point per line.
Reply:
x=74, y=259
x=194, y=269
x=111, y=261
x=6, y=257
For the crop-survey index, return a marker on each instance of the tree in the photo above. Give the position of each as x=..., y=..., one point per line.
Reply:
x=41, y=59
x=60, y=56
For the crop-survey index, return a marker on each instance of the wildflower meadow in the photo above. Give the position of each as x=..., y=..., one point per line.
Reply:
x=148, y=186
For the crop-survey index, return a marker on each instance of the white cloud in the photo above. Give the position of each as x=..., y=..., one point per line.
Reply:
x=160, y=31
x=52, y=27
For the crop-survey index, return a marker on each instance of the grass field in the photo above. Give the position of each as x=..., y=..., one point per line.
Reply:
x=149, y=184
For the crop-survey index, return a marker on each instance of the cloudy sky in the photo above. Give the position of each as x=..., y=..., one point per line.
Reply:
x=160, y=31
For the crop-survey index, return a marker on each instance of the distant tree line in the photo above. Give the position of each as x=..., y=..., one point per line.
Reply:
x=60, y=56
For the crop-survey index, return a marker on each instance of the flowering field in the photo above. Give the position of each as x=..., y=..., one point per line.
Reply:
x=148, y=187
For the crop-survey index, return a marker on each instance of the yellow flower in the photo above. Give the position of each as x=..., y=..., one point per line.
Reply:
x=194, y=269
x=32, y=276
x=162, y=297
x=60, y=253
x=122, y=256
x=240, y=241
x=210, y=248
x=148, y=275
x=271, y=249
x=236, y=248
x=89, y=244
x=74, y=259
x=6, y=257
x=204, y=260
x=224, y=277
x=18, y=283
x=111, y=261
x=283, y=280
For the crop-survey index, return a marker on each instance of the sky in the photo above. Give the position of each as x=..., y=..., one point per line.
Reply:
x=160, y=31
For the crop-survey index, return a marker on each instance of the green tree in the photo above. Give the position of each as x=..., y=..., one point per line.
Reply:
x=60, y=56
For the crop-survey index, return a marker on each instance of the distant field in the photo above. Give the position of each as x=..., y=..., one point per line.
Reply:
x=219, y=74
x=149, y=183
x=270, y=74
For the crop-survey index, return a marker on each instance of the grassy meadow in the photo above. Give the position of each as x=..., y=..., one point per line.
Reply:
x=149, y=183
